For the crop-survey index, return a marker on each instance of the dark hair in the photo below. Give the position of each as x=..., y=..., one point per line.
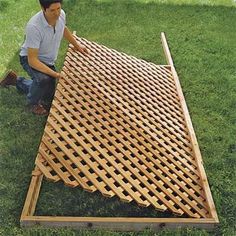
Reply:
x=46, y=3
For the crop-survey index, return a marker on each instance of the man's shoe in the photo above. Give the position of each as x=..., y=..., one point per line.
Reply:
x=46, y=105
x=39, y=110
x=9, y=79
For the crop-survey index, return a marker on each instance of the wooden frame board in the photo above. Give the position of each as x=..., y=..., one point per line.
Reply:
x=112, y=223
x=201, y=209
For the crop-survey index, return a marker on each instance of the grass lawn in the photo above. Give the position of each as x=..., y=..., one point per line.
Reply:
x=201, y=35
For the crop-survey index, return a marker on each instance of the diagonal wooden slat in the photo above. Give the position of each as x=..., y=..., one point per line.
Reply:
x=117, y=126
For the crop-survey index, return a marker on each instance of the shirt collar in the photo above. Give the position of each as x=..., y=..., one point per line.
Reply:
x=45, y=23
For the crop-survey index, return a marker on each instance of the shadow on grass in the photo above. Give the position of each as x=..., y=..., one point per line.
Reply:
x=77, y=202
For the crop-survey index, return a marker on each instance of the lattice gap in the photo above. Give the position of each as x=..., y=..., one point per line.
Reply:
x=117, y=126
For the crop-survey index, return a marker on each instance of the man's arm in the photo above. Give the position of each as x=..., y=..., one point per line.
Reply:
x=35, y=63
x=69, y=37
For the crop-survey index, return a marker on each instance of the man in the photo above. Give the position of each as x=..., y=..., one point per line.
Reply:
x=38, y=54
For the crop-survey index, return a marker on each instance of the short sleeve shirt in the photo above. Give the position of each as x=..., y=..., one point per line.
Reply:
x=40, y=35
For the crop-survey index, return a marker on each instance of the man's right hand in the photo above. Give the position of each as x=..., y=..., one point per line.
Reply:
x=58, y=75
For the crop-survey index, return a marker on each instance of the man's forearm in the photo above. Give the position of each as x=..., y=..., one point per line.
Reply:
x=38, y=65
x=69, y=37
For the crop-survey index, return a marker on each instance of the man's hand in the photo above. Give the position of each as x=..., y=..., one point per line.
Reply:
x=76, y=45
x=35, y=63
x=58, y=75
x=81, y=49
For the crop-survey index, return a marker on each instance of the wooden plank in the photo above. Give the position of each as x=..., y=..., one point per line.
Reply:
x=32, y=195
x=118, y=223
x=196, y=148
x=142, y=150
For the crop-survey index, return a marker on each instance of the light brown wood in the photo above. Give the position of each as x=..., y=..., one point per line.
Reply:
x=111, y=223
x=118, y=224
x=125, y=134
x=32, y=195
x=134, y=126
x=137, y=164
x=120, y=125
x=142, y=106
x=196, y=148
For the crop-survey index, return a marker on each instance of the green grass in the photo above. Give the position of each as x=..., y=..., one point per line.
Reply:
x=185, y=2
x=201, y=36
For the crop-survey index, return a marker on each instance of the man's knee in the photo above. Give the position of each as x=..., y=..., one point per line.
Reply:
x=43, y=79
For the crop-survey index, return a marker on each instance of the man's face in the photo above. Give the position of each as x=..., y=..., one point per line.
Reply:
x=53, y=12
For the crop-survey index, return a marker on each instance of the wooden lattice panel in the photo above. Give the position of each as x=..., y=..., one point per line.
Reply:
x=117, y=125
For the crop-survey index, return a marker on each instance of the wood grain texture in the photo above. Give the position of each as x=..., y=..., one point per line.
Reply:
x=117, y=125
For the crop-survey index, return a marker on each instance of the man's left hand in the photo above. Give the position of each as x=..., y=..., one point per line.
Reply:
x=81, y=49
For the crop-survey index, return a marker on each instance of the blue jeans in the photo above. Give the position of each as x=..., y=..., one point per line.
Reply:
x=40, y=88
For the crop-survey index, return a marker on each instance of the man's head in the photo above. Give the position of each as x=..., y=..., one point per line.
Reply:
x=46, y=3
x=51, y=9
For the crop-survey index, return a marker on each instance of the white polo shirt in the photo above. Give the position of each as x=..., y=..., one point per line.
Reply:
x=39, y=34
